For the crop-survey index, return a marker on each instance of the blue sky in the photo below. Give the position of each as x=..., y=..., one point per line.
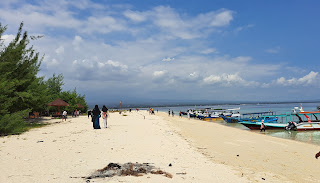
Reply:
x=175, y=50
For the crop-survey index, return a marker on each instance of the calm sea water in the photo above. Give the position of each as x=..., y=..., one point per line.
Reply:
x=305, y=136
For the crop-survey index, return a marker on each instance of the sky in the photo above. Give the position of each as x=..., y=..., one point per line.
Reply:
x=175, y=50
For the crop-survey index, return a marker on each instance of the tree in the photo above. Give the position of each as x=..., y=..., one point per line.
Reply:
x=20, y=88
x=54, y=85
x=73, y=98
x=19, y=68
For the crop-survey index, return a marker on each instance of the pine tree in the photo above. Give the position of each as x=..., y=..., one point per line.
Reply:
x=20, y=88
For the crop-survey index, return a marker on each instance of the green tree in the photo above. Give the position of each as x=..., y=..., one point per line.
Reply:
x=54, y=85
x=20, y=88
x=73, y=98
x=19, y=68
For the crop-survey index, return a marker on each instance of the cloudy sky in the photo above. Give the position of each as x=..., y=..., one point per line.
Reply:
x=175, y=50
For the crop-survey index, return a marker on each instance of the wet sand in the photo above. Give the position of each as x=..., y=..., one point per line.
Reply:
x=68, y=151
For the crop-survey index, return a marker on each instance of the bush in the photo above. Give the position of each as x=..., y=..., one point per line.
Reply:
x=11, y=124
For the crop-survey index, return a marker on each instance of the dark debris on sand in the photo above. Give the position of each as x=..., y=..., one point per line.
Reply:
x=127, y=169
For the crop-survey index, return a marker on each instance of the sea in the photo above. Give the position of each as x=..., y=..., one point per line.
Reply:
x=312, y=137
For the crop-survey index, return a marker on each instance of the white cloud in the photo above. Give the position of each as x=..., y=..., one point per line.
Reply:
x=305, y=80
x=242, y=59
x=77, y=40
x=60, y=50
x=239, y=29
x=224, y=79
x=159, y=73
x=309, y=78
x=273, y=50
x=168, y=59
x=209, y=50
x=52, y=63
x=7, y=38
x=135, y=16
x=222, y=18
x=116, y=64
x=105, y=24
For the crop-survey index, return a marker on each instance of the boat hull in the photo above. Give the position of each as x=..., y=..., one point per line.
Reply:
x=268, y=126
x=308, y=126
x=212, y=119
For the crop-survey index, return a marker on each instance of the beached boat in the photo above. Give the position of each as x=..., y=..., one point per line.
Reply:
x=221, y=114
x=268, y=126
x=251, y=117
x=299, y=121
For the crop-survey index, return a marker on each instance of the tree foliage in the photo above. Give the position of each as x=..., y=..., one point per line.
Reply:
x=21, y=90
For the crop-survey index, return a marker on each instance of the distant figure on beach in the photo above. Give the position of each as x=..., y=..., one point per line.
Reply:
x=188, y=114
x=180, y=114
x=95, y=117
x=263, y=126
x=105, y=115
x=89, y=113
x=64, y=115
x=172, y=113
x=169, y=112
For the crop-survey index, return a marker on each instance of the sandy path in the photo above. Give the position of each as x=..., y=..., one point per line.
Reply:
x=256, y=156
x=60, y=151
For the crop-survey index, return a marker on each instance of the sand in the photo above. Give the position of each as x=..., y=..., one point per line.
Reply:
x=197, y=151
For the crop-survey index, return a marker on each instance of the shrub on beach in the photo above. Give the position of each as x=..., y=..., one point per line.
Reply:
x=11, y=124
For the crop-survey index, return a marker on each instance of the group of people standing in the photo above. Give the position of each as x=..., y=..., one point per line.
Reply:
x=96, y=114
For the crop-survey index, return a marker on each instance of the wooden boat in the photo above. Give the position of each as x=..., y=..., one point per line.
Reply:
x=299, y=121
x=255, y=116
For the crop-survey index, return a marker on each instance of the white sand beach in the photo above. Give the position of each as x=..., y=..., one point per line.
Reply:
x=198, y=152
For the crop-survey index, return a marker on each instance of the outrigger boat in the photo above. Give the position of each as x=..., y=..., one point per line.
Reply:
x=251, y=117
x=299, y=121
x=211, y=114
x=220, y=114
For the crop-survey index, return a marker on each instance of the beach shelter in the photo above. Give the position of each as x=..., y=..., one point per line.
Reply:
x=79, y=106
x=58, y=102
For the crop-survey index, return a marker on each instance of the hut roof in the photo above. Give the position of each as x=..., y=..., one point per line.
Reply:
x=58, y=102
x=79, y=106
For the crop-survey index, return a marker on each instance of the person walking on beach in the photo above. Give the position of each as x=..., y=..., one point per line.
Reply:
x=172, y=113
x=169, y=112
x=105, y=115
x=180, y=114
x=263, y=126
x=64, y=115
x=95, y=117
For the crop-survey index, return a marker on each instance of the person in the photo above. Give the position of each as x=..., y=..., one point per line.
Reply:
x=105, y=115
x=89, y=113
x=180, y=114
x=64, y=115
x=95, y=117
x=169, y=112
x=263, y=126
x=188, y=115
x=172, y=113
